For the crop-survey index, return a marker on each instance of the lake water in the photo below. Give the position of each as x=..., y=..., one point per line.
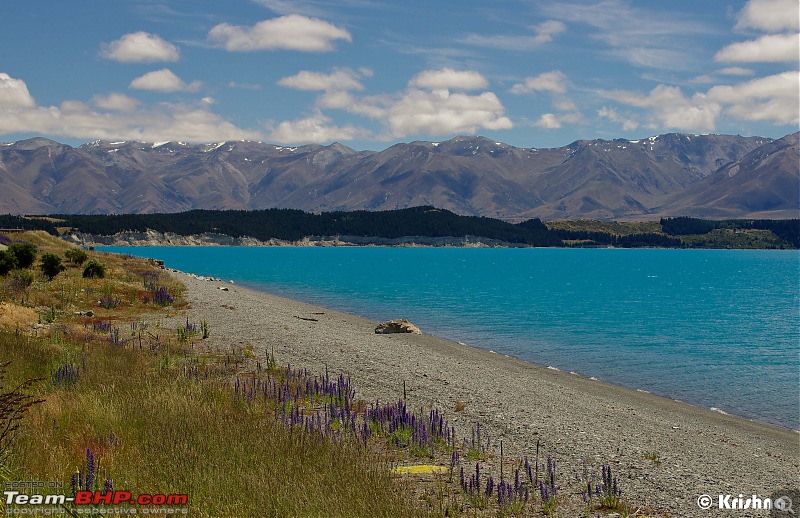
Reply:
x=715, y=328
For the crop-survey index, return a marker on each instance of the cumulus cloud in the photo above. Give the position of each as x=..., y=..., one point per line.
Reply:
x=14, y=93
x=316, y=128
x=441, y=112
x=291, y=32
x=735, y=71
x=555, y=82
x=669, y=108
x=769, y=48
x=773, y=98
x=111, y=117
x=767, y=99
x=427, y=106
x=338, y=80
x=115, y=102
x=546, y=30
x=449, y=79
x=163, y=80
x=627, y=123
x=557, y=120
x=770, y=15
x=548, y=121
x=140, y=47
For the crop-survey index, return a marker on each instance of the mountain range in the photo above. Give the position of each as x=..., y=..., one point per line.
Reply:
x=711, y=176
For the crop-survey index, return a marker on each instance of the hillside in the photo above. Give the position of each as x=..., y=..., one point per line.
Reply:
x=598, y=179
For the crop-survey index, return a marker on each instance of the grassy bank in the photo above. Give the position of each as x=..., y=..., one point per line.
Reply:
x=129, y=396
x=115, y=387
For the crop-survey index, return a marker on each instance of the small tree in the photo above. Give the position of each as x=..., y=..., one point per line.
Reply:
x=24, y=252
x=51, y=265
x=76, y=256
x=8, y=262
x=94, y=269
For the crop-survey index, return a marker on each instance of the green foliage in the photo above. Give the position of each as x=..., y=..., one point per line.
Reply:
x=94, y=270
x=51, y=265
x=76, y=256
x=8, y=262
x=293, y=225
x=786, y=231
x=24, y=252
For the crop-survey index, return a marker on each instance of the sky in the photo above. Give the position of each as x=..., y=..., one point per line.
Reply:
x=372, y=73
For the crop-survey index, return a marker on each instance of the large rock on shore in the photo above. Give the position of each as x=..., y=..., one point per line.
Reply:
x=397, y=326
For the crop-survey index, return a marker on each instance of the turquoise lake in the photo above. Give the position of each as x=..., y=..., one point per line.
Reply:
x=714, y=328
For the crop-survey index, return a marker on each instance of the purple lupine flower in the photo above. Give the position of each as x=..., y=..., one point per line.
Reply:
x=90, y=469
x=108, y=487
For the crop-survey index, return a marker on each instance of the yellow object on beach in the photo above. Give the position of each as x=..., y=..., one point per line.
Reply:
x=419, y=469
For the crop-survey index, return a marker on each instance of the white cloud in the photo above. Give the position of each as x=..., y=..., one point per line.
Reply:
x=543, y=33
x=163, y=80
x=555, y=82
x=115, y=102
x=557, y=120
x=774, y=98
x=770, y=15
x=669, y=108
x=316, y=128
x=546, y=30
x=769, y=48
x=14, y=93
x=443, y=113
x=548, y=121
x=338, y=80
x=448, y=78
x=628, y=124
x=735, y=71
x=114, y=116
x=140, y=47
x=291, y=32
x=644, y=36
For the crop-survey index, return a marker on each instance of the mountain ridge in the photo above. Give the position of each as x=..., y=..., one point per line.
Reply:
x=470, y=175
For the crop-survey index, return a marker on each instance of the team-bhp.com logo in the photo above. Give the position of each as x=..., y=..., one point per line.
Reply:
x=780, y=502
x=95, y=498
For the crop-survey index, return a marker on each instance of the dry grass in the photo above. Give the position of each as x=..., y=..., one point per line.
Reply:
x=13, y=316
x=153, y=429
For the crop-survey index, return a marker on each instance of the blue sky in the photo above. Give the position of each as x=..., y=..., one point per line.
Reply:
x=370, y=73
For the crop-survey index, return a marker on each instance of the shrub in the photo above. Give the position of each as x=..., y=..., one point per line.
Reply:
x=51, y=265
x=94, y=269
x=19, y=280
x=24, y=252
x=76, y=256
x=8, y=262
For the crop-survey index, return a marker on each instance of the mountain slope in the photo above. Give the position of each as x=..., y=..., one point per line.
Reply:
x=765, y=183
x=468, y=175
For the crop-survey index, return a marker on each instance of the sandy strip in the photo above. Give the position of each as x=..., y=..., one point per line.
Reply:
x=578, y=421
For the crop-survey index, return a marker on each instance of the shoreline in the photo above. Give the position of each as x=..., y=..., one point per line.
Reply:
x=580, y=421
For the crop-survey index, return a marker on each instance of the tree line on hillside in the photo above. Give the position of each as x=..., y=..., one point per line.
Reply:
x=293, y=225
x=786, y=229
x=426, y=221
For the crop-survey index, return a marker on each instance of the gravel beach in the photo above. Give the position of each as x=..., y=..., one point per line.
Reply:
x=665, y=453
